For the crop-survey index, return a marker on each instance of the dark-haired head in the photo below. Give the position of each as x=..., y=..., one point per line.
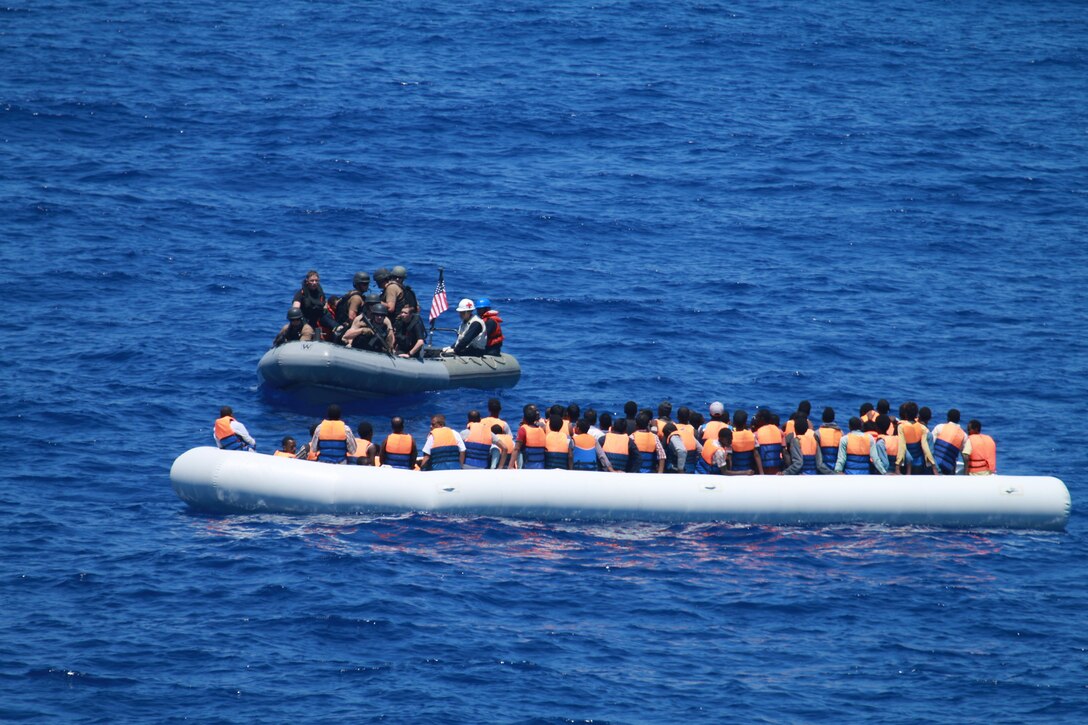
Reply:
x=529, y=413
x=883, y=423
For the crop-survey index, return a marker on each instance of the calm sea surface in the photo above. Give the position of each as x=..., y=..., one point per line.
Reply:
x=753, y=202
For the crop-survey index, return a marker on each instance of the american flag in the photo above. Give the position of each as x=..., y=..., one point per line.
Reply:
x=439, y=303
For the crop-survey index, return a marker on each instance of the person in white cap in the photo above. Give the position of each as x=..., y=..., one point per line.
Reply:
x=471, y=339
x=709, y=431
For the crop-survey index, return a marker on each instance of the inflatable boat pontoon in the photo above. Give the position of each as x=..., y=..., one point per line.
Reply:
x=239, y=482
x=324, y=365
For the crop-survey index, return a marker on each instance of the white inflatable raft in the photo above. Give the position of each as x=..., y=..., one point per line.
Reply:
x=236, y=482
x=323, y=365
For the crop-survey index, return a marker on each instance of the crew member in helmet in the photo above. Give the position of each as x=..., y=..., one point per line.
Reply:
x=295, y=329
x=471, y=339
x=371, y=331
x=492, y=326
x=399, y=273
x=348, y=307
x=392, y=292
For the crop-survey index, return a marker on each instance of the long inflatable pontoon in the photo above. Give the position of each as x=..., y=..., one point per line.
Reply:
x=324, y=365
x=216, y=480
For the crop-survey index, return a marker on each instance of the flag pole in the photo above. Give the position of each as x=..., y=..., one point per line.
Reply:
x=439, y=286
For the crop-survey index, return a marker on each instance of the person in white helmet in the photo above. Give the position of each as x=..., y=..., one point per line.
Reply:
x=471, y=339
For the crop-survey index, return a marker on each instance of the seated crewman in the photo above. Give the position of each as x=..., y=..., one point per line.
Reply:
x=296, y=329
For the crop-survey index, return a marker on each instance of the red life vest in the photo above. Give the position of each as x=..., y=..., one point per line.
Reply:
x=495, y=338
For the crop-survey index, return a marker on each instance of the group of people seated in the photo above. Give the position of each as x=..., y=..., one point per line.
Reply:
x=637, y=441
x=388, y=322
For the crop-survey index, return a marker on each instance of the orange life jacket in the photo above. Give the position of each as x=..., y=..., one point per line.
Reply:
x=361, y=447
x=983, y=456
x=398, y=451
x=770, y=447
x=584, y=452
x=744, y=443
x=617, y=448
x=646, y=442
x=332, y=446
x=445, y=453
x=809, y=450
x=478, y=445
x=829, y=438
x=556, y=447
x=705, y=463
x=857, y=453
x=948, y=445
x=284, y=454
x=711, y=429
x=535, y=439
x=226, y=436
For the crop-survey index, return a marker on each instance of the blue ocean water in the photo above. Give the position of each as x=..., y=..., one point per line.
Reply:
x=754, y=202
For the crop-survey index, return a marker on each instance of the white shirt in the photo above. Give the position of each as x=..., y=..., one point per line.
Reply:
x=430, y=442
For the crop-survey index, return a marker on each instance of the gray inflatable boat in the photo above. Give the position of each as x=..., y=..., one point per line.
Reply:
x=324, y=365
